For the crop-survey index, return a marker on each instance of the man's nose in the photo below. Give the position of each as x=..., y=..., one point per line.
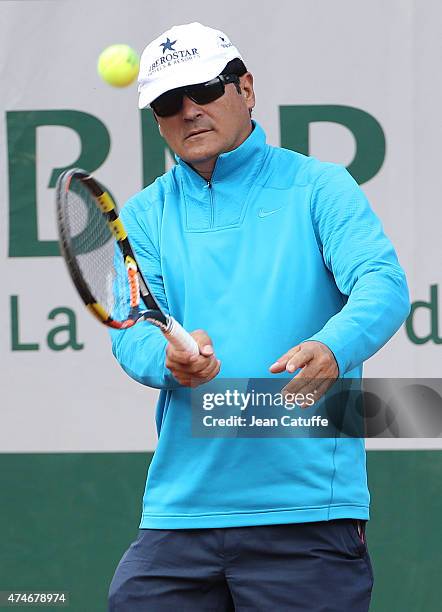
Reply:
x=190, y=109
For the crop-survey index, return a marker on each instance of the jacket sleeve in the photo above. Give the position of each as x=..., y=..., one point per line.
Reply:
x=365, y=267
x=141, y=349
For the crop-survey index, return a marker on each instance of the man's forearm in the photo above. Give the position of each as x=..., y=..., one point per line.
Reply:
x=141, y=352
x=376, y=308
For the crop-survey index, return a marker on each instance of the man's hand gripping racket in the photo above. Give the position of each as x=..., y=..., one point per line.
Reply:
x=107, y=278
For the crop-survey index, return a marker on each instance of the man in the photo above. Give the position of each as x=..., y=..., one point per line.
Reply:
x=281, y=261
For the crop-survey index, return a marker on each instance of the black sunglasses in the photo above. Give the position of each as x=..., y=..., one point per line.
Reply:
x=170, y=103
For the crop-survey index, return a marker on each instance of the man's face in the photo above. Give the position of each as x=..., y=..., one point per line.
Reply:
x=199, y=133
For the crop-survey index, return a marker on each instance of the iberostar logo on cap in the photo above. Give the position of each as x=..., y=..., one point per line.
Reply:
x=173, y=57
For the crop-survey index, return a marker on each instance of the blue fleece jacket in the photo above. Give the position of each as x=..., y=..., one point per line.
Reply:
x=278, y=248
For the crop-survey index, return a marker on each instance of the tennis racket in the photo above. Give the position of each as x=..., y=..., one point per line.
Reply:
x=101, y=262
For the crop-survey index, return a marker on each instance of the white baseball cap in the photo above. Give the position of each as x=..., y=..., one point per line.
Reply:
x=184, y=55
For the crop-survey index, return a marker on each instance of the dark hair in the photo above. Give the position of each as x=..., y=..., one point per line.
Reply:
x=235, y=66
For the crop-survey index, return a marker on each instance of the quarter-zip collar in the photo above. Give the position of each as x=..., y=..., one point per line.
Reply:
x=239, y=166
x=221, y=202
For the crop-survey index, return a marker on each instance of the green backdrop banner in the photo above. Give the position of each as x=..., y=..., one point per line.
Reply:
x=68, y=518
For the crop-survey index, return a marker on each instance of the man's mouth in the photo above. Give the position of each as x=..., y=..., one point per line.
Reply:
x=195, y=133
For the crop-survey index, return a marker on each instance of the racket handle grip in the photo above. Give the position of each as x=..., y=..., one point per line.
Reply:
x=180, y=338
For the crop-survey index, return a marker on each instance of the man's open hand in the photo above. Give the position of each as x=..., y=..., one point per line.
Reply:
x=318, y=367
x=193, y=370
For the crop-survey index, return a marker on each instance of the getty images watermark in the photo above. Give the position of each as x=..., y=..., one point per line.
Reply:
x=351, y=408
x=251, y=400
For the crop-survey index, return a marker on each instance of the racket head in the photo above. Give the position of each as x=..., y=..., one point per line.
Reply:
x=98, y=255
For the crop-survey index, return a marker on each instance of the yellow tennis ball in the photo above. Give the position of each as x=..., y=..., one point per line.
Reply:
x=118, y=65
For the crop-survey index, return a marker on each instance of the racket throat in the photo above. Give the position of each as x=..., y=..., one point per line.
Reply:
x=156, y=317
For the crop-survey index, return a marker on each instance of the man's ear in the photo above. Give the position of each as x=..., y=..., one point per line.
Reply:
x=247, y=89
x=158, y=123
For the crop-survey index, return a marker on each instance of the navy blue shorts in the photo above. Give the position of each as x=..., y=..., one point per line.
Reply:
x=322, y=566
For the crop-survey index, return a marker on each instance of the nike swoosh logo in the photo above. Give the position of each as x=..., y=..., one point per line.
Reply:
x=265, y=213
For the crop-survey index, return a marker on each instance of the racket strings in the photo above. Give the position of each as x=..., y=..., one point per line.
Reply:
x=98, y=256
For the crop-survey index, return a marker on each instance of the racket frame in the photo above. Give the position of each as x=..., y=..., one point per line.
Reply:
x=108, y=208
x=170, y=327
